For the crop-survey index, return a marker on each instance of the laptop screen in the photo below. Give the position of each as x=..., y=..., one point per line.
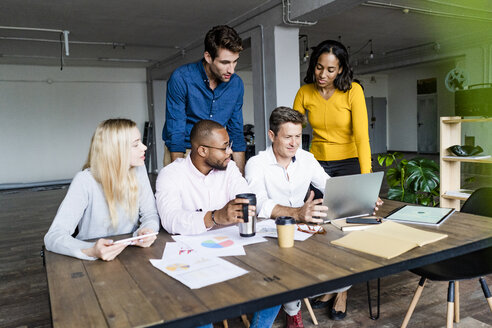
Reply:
x=352, y=195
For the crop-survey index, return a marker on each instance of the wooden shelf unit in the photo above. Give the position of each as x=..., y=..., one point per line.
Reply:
x=468, y=160
x=450, y=173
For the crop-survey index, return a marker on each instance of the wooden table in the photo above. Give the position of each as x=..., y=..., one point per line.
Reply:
x=130, y=292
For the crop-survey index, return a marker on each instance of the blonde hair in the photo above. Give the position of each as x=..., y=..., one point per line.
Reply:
x=109, y=162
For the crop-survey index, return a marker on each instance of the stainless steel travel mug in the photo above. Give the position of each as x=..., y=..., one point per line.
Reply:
x=248, y=228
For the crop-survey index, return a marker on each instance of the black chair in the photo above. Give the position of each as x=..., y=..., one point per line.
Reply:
x=468, y=266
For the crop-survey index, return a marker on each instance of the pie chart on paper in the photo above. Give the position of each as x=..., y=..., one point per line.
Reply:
x=218, y=242
x=177, y=267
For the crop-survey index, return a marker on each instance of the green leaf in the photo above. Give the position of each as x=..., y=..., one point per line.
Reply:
x=389, y=161
x=397, y=155
x=393, y=177
x=410, y=197
x=395, y=193
x=381, y=159
x=424, y=199
x=421, y=176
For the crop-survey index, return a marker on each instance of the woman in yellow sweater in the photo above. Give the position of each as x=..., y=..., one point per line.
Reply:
x=337, y=112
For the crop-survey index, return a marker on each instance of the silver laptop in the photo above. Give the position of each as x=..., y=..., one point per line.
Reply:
x=352, y=195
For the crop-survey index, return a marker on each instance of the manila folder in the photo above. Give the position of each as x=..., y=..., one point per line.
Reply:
x=388, y=239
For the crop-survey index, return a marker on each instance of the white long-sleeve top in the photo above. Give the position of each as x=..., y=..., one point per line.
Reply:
x=184, y=195
x=85, y=206
x=275, y=185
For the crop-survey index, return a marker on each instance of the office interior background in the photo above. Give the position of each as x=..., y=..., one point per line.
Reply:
x=65, y=66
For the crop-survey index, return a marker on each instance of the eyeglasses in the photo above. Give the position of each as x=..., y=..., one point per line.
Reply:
x=225, y=149
x=312, y=229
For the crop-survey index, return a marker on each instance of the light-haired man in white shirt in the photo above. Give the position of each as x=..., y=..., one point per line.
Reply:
x=280, y=177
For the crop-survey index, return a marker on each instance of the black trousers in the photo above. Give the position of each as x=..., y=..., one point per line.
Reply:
x=342, y=167
x=338, y=168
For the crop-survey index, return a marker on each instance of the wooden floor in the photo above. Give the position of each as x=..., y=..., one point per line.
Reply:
x=26, y=215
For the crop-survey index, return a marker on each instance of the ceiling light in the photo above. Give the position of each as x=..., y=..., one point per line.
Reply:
x=125, y=60
x=305, y=57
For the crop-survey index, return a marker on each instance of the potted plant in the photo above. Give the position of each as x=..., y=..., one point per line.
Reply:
x=412, y=181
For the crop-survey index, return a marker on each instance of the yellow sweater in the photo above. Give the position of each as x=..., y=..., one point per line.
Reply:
x=340, y=128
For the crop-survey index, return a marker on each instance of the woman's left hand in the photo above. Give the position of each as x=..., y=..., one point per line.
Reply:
x=145, y=241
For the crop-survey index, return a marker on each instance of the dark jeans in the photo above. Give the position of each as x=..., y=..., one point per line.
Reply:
x=337, y=168
x=261, y=319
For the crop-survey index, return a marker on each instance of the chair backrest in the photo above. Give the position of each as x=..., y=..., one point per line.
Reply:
x=479, y=203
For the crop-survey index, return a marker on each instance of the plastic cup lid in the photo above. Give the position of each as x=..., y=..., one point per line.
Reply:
x=284, y=220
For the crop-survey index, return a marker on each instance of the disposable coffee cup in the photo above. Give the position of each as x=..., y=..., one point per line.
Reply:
x=248, y=228
x=285, y=231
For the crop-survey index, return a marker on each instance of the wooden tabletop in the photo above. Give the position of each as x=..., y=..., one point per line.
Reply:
x=130, y=292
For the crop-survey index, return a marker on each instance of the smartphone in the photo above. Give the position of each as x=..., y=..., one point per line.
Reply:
x=363, y=220
x=135, y=238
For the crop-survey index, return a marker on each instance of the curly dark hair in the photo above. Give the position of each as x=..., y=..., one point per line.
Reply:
x=343, y=81
x=222, y=36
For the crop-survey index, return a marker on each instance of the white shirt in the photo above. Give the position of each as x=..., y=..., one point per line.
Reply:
x=184, y=195
x=274, y=185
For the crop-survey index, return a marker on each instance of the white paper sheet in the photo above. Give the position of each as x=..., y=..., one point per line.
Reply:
x=196, y=271
x=219, y=242
x=176, y=249
x=212, y=245
x=233, y=231
x=268, y=228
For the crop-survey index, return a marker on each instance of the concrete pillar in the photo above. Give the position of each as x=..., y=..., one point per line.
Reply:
x=275, y=58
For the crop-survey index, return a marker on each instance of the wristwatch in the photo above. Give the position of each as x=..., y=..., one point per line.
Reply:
x=213, y=218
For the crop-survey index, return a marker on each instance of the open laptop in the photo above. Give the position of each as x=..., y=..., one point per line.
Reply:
x=352, y=195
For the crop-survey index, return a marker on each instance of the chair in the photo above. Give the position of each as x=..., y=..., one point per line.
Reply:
x=468, y=266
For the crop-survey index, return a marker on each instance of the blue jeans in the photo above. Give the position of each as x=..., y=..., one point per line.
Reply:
x=261, y=319
x=265, y=318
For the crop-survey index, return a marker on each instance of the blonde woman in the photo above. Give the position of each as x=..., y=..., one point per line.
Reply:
x=110, y=196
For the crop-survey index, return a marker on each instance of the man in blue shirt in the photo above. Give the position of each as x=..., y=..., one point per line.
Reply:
x=207, y=89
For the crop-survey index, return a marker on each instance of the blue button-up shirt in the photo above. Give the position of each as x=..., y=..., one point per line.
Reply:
x=189, y=99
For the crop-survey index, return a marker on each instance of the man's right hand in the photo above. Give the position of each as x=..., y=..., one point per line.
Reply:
x=232, y=212
x=312, y=211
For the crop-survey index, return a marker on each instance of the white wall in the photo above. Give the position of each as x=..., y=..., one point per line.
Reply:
x=286, y=65
x=248, y=105
x=48, y=116
x=375, y=85
x=402, y=102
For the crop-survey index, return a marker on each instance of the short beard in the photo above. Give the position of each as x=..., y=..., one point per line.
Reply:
x=217, y=166
x=216, y=76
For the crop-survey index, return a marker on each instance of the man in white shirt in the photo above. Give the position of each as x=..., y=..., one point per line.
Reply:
x=195, y=193
x=280, y=177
